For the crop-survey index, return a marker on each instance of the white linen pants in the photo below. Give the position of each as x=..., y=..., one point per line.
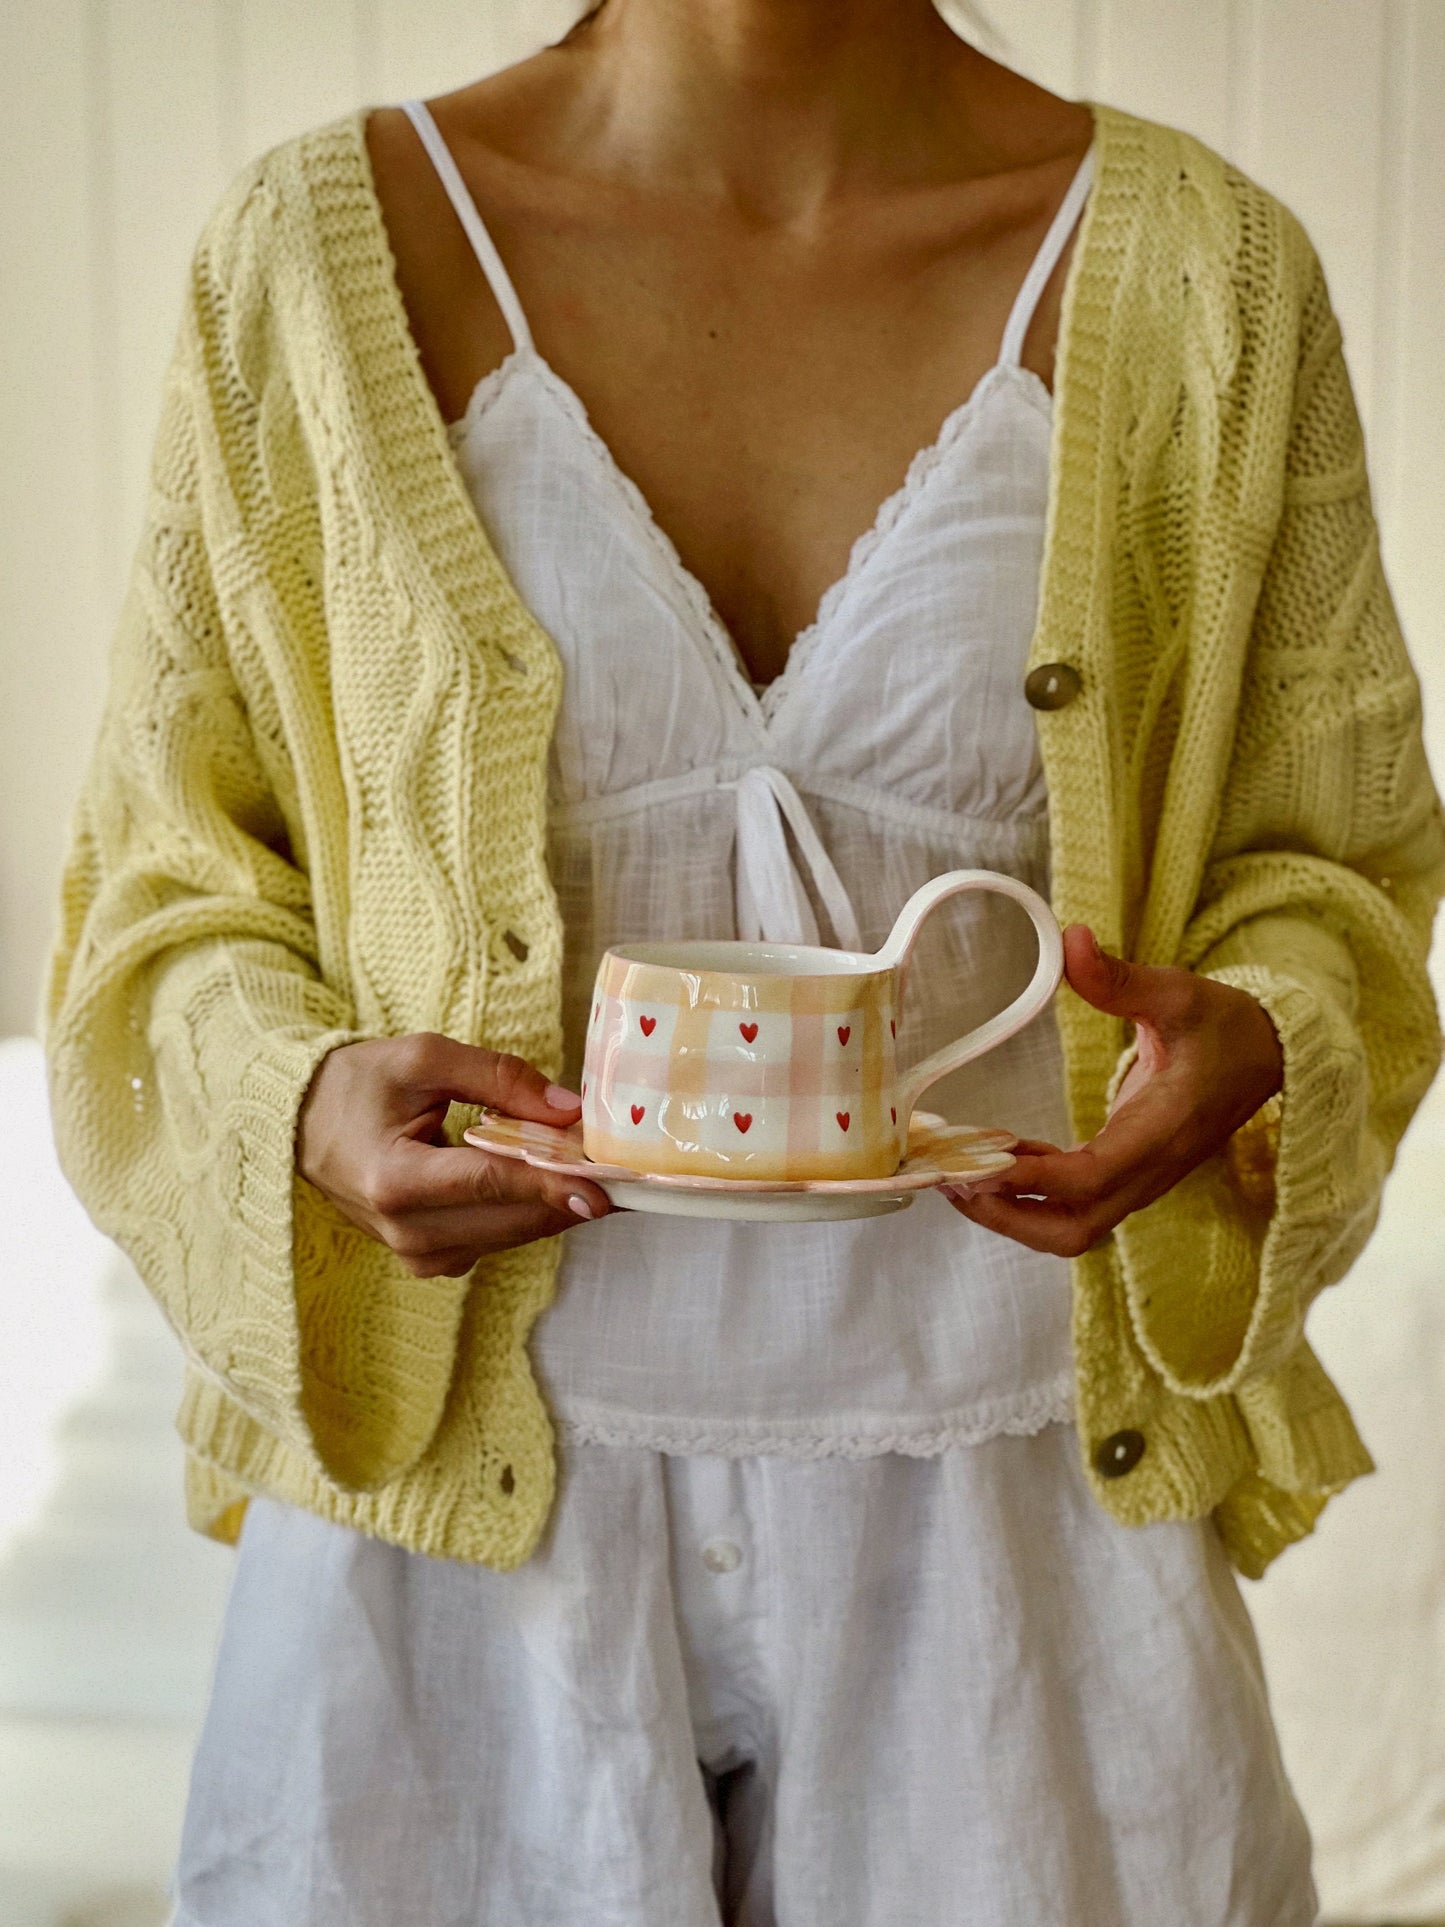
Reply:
x=894, y=1692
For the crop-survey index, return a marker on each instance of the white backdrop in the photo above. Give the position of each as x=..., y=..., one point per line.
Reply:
x=126, y=118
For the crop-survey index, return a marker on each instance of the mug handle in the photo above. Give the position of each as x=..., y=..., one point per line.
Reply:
x=1025, y=1007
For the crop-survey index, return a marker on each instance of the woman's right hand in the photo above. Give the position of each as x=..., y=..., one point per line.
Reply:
x=370, y=1137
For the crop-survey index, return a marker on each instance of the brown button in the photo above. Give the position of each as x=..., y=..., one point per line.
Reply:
x=1118, y=1454
x=1052, y=685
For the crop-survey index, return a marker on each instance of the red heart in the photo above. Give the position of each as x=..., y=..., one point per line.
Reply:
x=842, y=1117
x=649, y=1025
x=637, y=1111
x=892, y=1113
x=742, y=1119
x=892, y=1028
x=749, y=1032
x=845, y=1031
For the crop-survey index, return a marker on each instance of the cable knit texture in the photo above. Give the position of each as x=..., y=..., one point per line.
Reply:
x=316, y=809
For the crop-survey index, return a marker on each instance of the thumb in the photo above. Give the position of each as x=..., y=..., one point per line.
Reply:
x=1135, y=991
x=443, y=1067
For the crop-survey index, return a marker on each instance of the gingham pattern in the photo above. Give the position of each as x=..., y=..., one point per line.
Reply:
x=757, y=1076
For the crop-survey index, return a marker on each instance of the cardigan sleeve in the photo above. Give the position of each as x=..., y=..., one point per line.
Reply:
x=1327, y=866
x=185, y=1008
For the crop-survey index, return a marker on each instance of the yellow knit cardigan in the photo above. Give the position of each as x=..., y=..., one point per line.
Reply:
x=315, y=813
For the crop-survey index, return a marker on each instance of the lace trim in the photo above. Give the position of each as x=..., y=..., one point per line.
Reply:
x=894, y=508
x=1020, y=1417
x=696, y=598
x=759, y=701
x=481, y=398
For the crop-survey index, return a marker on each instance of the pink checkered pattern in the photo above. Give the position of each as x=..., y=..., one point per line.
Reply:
x=759, y=1077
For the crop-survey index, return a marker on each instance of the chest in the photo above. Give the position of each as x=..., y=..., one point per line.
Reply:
x=905, y=694
x=764, y=390
x=766, y=414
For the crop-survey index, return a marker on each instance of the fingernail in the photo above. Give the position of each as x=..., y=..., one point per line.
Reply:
x=1094, y=945
x=580, y=1207
x=560, y=1098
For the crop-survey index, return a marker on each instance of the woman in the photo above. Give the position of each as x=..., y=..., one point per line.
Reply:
x=483, y=618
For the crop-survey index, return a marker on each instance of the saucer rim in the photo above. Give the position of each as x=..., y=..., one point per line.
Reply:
x=1000, y=1157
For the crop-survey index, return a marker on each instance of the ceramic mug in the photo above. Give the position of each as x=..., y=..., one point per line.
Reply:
x=768, y=1061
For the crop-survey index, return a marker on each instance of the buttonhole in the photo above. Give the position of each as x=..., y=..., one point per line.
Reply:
x=515, y=945
x=507, y=1481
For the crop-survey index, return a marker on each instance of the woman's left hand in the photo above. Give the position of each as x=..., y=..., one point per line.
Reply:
x=1208, y=1058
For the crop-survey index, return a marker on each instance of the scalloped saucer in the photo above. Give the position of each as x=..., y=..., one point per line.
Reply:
x=938, y=1153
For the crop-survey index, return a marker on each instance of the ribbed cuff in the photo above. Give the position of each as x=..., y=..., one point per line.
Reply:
x=374, y=1346
x=263, y=1370
x=1217, y=1288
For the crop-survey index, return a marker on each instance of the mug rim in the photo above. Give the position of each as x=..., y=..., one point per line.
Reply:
x=691, y=956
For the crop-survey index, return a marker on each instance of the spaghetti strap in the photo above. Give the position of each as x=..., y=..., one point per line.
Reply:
x=483, y=246
x=1045, y=261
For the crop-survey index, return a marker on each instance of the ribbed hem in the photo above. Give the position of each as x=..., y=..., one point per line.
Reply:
x=1195, y=1451
x=451, y=1505
x=1303, y=1435
x=1262, y=1461
x=1326, y=1453
x=1257, y=1522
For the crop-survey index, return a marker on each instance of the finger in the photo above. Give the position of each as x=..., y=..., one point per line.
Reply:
x=444, y=1264
x=490, y=1226
x=1077, y=1177
x=1057, y=1222
x=509, y=1225
x=1135, y=1078
x=429, y=1184
x=1058, y=1230
x=1021, y=1148
x=1165, y=998
x=1154, y=1137
x=1074, y=1178
x=436, y=1066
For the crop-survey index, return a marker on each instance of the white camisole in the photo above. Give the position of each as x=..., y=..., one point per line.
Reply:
x=686, y=802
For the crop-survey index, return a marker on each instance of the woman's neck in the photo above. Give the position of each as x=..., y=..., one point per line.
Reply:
x=776, y=106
